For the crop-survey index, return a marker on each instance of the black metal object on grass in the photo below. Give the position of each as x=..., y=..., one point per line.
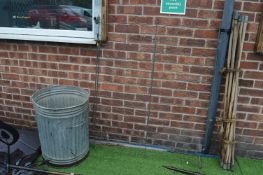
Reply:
x=183, y=171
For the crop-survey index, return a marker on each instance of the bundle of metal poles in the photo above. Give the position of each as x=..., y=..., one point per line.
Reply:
x=232, y=71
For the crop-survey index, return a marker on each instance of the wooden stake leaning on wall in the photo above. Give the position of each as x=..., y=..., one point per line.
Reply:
x=236, y=87
x=231, y=92
x=104, y=21
x=259, y=42
x=227, y=118
x=231, y=54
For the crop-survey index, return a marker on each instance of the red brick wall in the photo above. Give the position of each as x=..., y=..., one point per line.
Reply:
x=184, y=71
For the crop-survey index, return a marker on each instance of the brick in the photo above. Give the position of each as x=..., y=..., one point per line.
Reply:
x=244, y=124
x=251, y=92
x=193, y=118
x=150, y=48
x=252, y=6
x=10, y=76
x=68, y=50
x=199, y=3
x=4, y=54
x=185, y=94
x=117, y=19
x=137, y=73
x=174, y=85
x=257, y=101
x=178, y=50
x=134, y=104
x=244, y=100
x=125, y=111
x=195, y=23
x=111, y=130
x=191, y=13
x=198, y=87
x=149, y=29
x=140, y=20
x=259, y=141
x=194, y=103
x=254, y=57
x=144, y=128
x=210, y=14
x=167, y=40
x=201, y=70
x=136, y=10
x=69, y=67
x=47, y=49
x=124, y=28
x=250, y=132
x=168, y=21
x=122, y=125
x=125, y=96
x=147, y=10
x=177, y=124
x=253, y=75
x=114, y=54
x=159, y=107
x=135, y=89
x=192, y=42
x=129, y=47
x=168, y=130
x=143, y=2
x=154, y=121
x=139, y=39
x=147, y=66
x=180, y=32
x=168, y=100
x=87, y=52
x=162, y=92
x=246, y=83
x=182, y=109
x=208, y=34
x=111, y=87
x=253, y=109
x=139, y=56
x=58, y=58
x=203, y=52
x=144, y=98
x=111, y=102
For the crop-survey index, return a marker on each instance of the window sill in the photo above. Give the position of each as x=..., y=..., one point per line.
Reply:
x=74, y=40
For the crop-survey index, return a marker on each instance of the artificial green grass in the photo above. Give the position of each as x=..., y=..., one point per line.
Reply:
x=117, y=160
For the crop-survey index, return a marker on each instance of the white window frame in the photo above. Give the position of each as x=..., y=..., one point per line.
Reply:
x=53, y=35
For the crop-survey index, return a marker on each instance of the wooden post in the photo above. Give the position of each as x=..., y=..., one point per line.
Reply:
x=259, y=42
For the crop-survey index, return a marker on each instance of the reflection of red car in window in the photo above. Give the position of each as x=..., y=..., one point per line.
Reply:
x=61, y=17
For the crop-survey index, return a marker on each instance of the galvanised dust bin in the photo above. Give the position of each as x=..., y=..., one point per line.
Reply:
x=61, y=113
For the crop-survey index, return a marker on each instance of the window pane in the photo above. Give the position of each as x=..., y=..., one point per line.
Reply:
x=47, y=14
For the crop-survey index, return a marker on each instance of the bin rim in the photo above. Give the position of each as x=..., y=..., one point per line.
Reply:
x=60, y=86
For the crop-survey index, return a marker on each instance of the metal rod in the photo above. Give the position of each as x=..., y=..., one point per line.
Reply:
x=183, y=171
x=37, y=170
x=8, y=156
x=149, y=109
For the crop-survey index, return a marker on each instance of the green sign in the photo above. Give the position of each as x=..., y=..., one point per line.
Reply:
x=173, y=6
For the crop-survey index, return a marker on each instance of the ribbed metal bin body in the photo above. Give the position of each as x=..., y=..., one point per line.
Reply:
x=62, y=113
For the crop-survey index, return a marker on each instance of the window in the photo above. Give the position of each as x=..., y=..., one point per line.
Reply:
x=50, y=20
